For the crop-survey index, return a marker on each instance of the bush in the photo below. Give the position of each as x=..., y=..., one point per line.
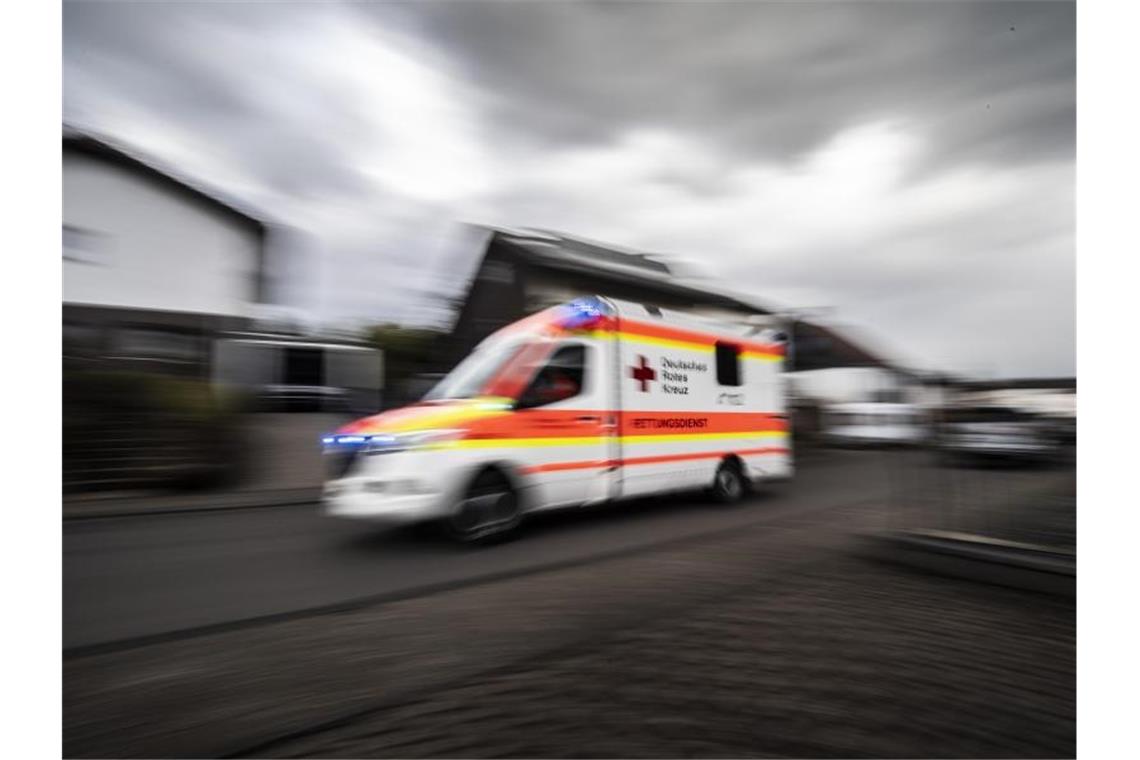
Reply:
x=140, y=429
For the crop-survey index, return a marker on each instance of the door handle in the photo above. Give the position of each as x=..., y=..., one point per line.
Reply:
x=588, y=418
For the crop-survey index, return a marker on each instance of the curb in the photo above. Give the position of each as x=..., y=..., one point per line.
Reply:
x=145, y=508
x=1005, y=563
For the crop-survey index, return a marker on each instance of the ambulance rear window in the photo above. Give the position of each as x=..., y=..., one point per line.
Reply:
x=727, y=363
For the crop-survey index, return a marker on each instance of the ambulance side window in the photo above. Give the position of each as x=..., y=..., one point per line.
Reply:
x=727, y=363
x=561, y=378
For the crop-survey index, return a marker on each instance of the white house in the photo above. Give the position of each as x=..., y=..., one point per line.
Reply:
x=153, y=264
x=162, y=275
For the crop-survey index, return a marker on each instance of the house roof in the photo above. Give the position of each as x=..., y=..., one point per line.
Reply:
x=568, y=253
x=84, y=141
x=1021, y=383
x=813, y=338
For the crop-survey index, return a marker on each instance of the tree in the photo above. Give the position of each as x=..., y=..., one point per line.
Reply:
x=407, y=352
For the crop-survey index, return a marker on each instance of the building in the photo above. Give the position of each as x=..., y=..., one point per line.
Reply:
x=163, y=275
x=1054, y=397
x=518, y=272
x=168, y=291
x=153, y=264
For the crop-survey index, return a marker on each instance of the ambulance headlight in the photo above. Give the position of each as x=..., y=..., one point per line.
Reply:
x=386, y=443
x=354, y=442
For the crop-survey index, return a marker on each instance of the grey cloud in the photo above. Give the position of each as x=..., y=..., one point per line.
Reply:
x=194, y=66
x=987, y=84
x=771, y=80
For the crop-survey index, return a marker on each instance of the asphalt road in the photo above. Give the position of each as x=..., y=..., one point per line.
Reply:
x=132, y=577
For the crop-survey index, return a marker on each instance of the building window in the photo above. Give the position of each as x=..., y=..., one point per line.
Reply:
x=84, y=246
x=727, y=363
x=160, y=349
x=304, y=366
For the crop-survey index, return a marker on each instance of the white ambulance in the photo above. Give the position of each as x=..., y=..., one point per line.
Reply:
x=591, y=401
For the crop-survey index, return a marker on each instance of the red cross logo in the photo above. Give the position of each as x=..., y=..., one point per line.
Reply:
x=643, y=374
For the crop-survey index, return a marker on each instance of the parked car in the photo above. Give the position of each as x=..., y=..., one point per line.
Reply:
x=988, y=432
x=1064, y=428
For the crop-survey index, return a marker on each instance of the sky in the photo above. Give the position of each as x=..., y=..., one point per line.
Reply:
x=903, y=169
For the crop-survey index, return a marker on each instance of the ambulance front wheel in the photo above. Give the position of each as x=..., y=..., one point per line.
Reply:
x=729, y=483
x=489, y=509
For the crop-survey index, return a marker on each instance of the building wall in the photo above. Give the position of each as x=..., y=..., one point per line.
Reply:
x=496, y=298
x=136, y=241
x=507, y=287
x=840, y=385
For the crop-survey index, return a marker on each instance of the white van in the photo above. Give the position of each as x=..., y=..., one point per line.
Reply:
x=587, y=402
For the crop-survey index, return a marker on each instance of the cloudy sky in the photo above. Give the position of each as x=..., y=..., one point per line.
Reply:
x=907, y=168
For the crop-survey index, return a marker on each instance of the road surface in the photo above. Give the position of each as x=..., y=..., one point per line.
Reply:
x=662, y=628
x=132, y=577
x=140, y=576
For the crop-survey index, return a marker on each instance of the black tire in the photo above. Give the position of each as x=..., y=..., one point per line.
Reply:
x=729, y=484
x=488, y=510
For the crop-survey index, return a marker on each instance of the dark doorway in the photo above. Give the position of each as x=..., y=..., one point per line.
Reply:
x=304, y=366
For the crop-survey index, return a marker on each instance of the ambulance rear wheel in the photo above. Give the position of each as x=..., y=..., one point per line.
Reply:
x=488, y=510
x=729, y=484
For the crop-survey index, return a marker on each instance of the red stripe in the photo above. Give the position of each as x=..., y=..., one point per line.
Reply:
x=665, y=458
x=560, y=466
x=689, y=336
x=665, y=423
x=562, y=423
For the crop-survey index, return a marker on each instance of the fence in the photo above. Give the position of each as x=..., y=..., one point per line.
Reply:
x=1029, y=502
x=1000, y=522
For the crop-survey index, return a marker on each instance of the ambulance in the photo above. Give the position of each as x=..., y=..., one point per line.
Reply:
x=589, y=402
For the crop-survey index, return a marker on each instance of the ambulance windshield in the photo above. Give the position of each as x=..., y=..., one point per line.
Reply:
x=471, y=376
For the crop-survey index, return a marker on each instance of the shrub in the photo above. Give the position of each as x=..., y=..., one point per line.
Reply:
x=166, y=431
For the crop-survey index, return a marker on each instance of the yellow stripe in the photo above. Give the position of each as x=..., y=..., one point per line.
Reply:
x=760, y=356
x=703, y=348
x=596, y=334
x=474, y=409
x=441, y=420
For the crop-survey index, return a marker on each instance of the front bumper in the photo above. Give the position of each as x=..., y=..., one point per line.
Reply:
x=378, y=500
x=396, y=488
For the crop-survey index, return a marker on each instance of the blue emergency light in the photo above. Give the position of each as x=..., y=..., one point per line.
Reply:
x=583, y=311
x=353, y=440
